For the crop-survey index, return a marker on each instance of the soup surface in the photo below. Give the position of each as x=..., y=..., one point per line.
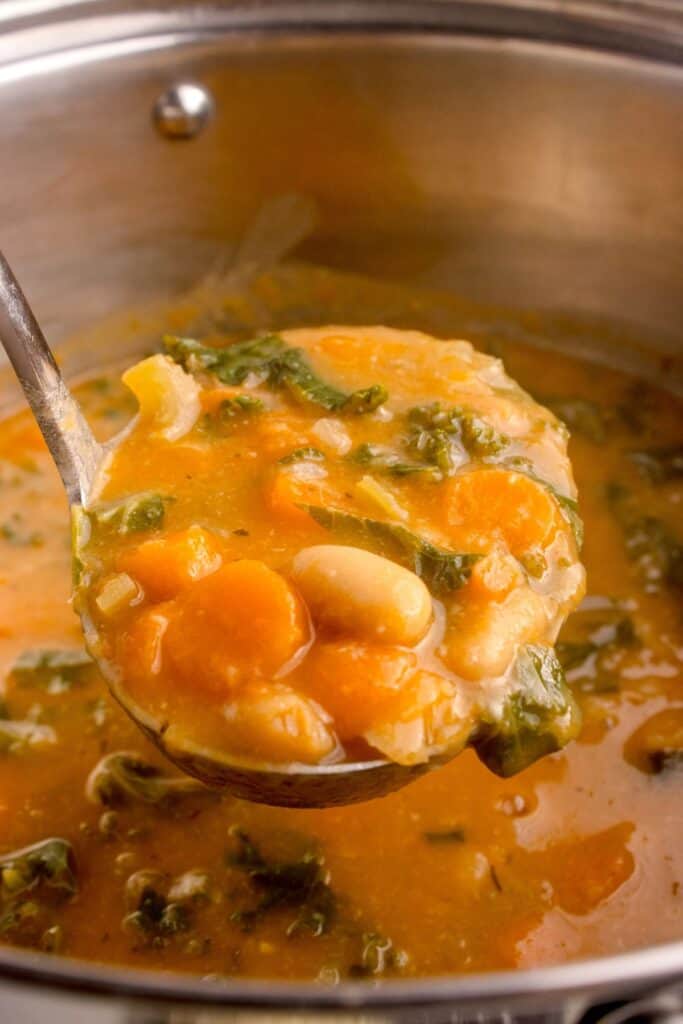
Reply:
x=106, y=853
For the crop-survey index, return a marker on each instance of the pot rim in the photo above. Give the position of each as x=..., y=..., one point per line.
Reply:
x=40, y=32
x=39, y=36
x=593, y=979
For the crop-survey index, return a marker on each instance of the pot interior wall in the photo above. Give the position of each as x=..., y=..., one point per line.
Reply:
x=511, y=172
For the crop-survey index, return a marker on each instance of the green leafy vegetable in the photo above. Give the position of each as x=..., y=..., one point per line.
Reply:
x=52, y=670
x=384, y=459
x=580, y=415
x=540, y=715
x=32, y=881
x=122, y=777
x=446, y=438
x=151, y=912
x=278, y=366
x=306, y=454
x=14, y=531
x=659, y=465
x=650, y=543
x=240, y=405
x=138, y=512
x=592, y=663
x=299, y=884
x=442, y=571
x=50, y=862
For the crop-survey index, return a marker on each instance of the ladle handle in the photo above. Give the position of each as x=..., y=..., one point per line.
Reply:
x=72, y=445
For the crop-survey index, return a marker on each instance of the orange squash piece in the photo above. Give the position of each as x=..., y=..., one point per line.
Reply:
x=165, y=566
x=486, y=505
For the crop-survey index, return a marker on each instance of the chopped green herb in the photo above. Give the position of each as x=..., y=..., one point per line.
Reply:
x=366, y=399
x=307, y=454
x=121, y=777
x=52, y=670
x=659, y=465
x=446, y=835
x=14, y=531
x=138, y=512
x=299, y=884
x=277, y=365
x=240, y=405
x=540, y=715
x=442, y=571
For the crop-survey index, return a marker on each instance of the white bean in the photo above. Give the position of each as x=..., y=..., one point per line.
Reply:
x=363, y=595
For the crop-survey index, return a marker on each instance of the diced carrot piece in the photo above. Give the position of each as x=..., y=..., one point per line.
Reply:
x=486, y=505
x=165, y=566
x=242, y=622
x=286, y=491
x=357, y=684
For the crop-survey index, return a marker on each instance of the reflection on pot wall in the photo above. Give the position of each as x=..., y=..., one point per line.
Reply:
x=492, y=192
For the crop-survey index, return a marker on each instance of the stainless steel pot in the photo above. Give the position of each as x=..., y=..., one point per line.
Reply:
x=526, y=153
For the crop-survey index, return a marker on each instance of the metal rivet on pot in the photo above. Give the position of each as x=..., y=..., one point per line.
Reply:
x=183, y=110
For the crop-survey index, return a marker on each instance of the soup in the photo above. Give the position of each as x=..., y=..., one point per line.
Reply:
x=110, y=855
x=290, y=566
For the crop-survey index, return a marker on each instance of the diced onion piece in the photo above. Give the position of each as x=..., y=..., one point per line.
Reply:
x=168, y=397
x=117, y=593
x=331, y=433
x=380, y=497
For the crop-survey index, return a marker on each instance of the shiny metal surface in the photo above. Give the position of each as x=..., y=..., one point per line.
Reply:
x=182, y=110
x=70, y=441
x=526, y=154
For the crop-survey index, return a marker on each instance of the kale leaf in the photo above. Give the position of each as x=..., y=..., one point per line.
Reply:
x=278, y=366
x=137, y=512
x=445, y=438
x=379, y=458
x=50, y=862
x=122, y=776
x=300, y=885
x=659, y=465
x=650, y=543
x=580, y=415
x=540, y=715
x=443, y=571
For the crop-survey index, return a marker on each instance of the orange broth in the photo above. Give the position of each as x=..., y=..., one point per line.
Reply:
x=580, y=855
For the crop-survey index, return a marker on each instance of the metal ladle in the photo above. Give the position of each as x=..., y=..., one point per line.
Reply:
x=78, y=457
